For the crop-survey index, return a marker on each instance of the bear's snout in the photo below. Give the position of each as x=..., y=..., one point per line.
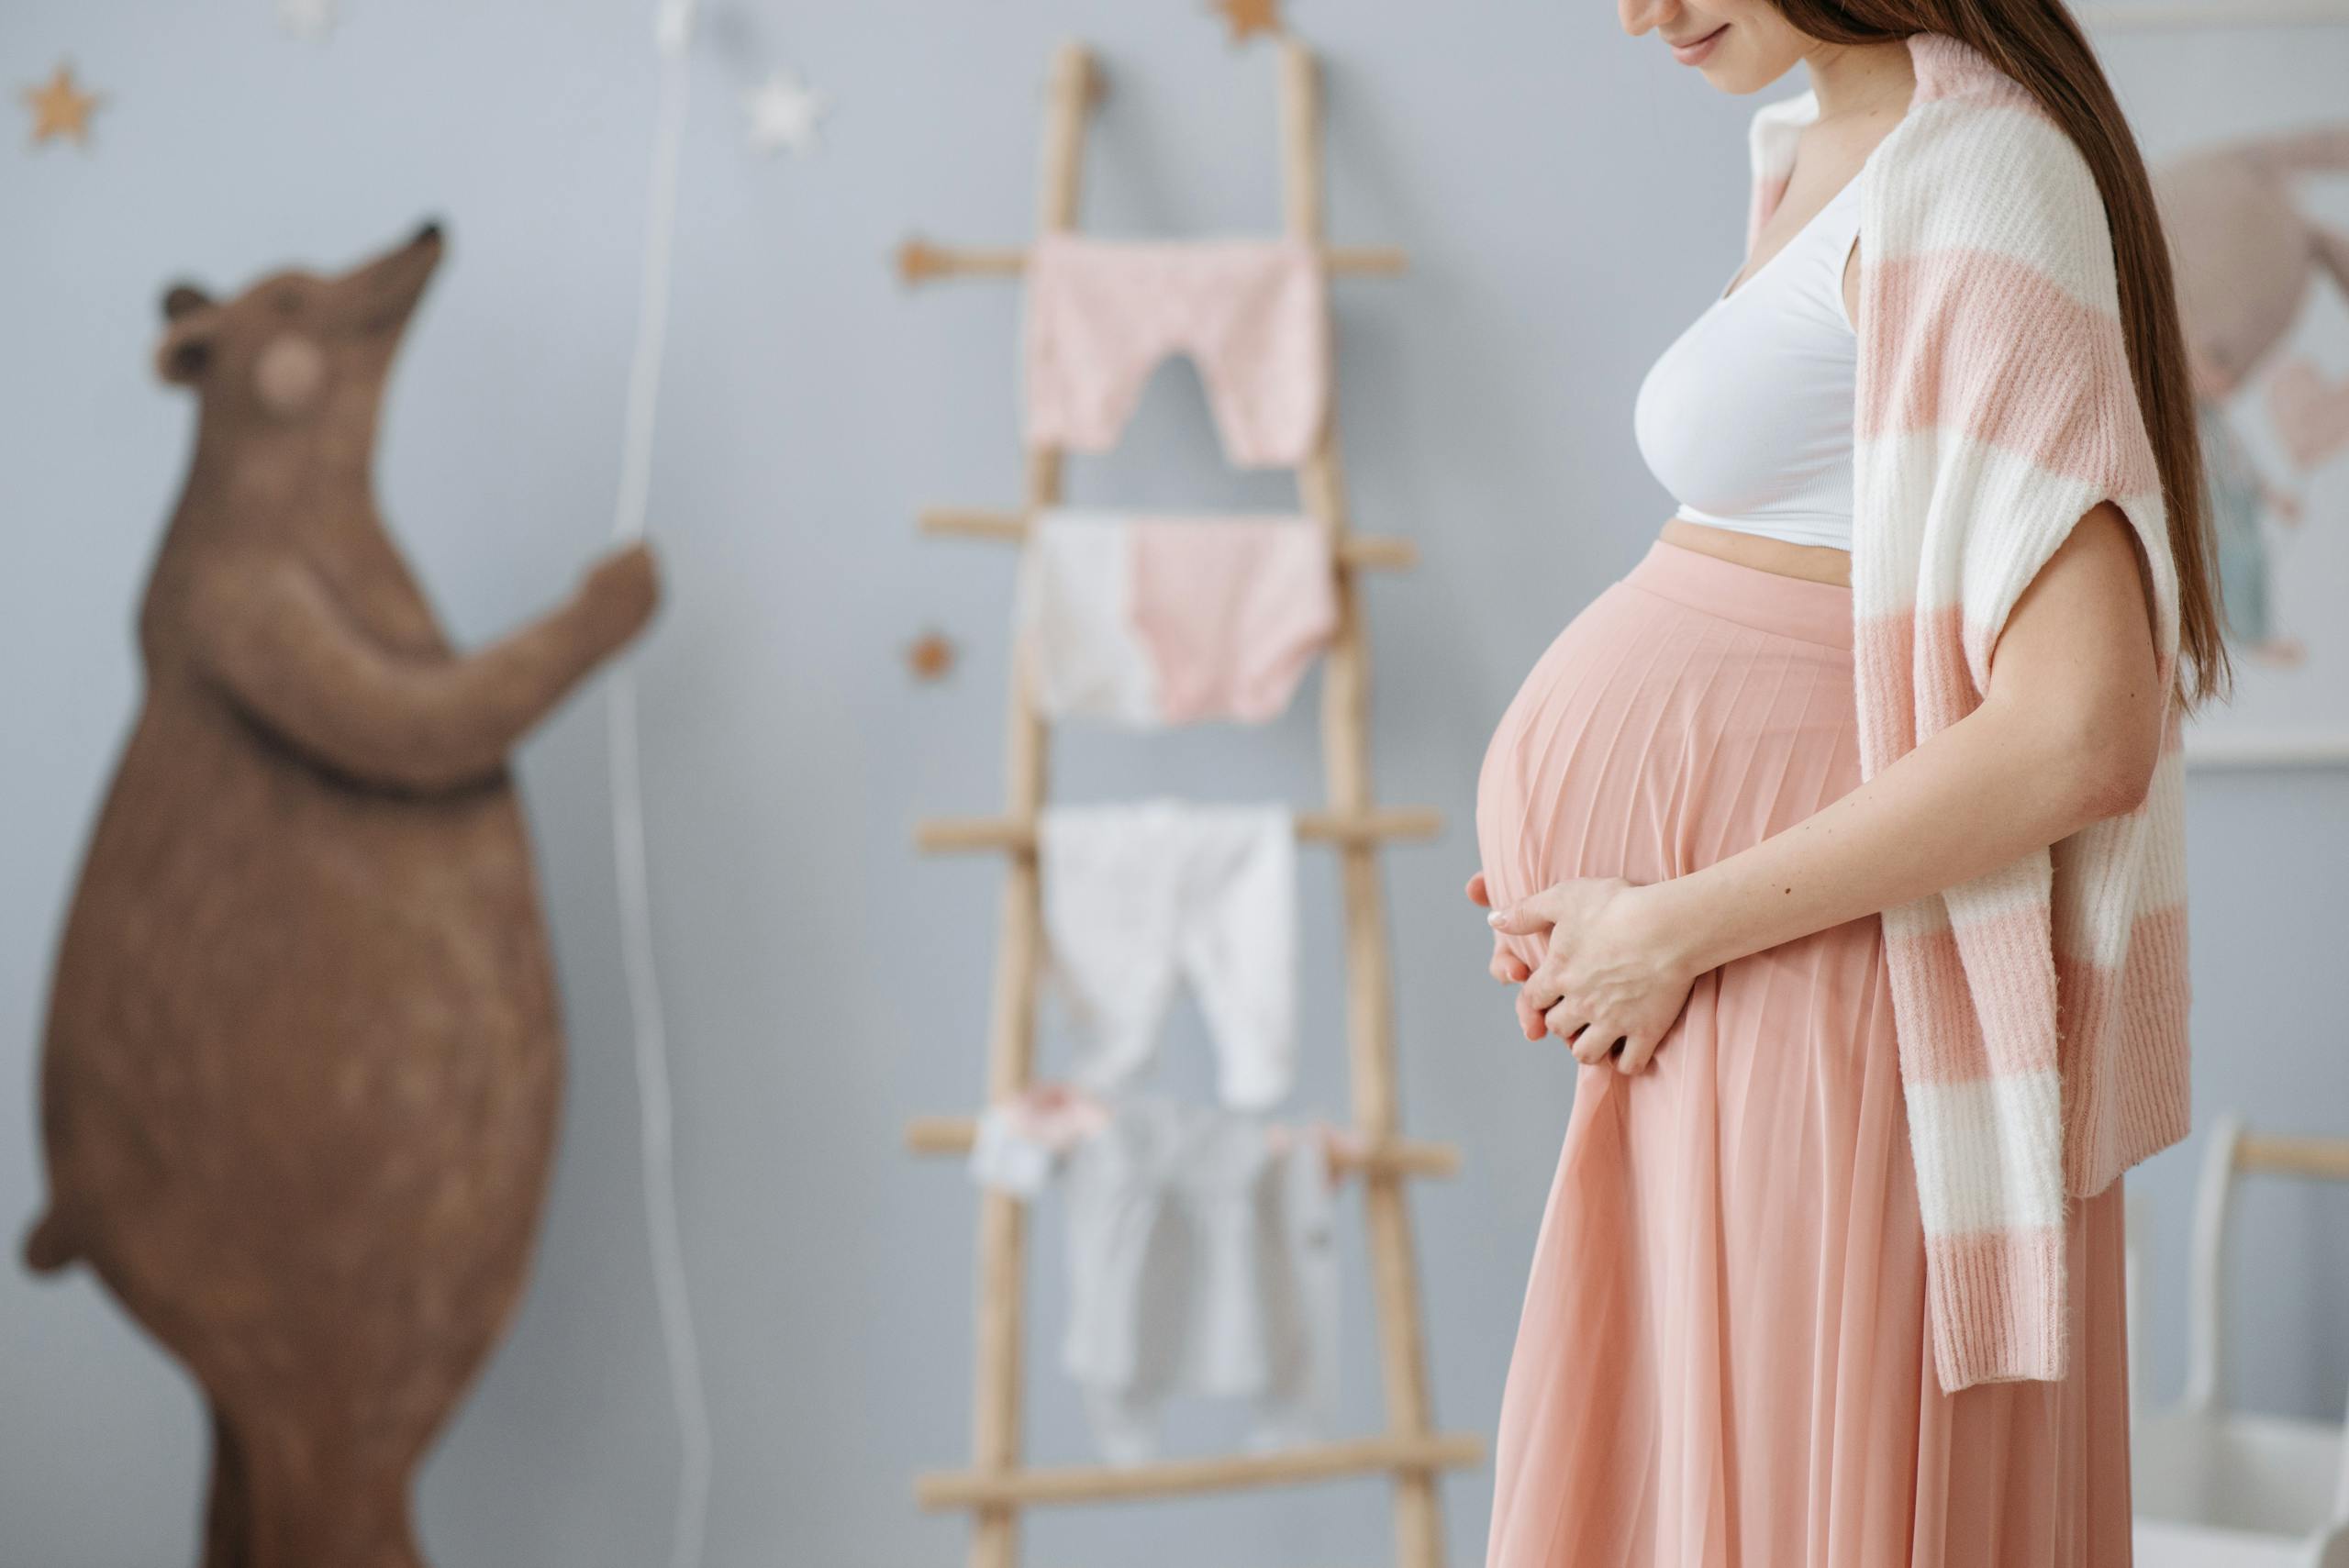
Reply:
x=384, y=290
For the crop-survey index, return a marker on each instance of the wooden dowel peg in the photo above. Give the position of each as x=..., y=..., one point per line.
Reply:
x=951, y=1135
x=963, y=835
x=2273, y=1153
x=1168, y=1478
x=920, y=262
x=1361, y=552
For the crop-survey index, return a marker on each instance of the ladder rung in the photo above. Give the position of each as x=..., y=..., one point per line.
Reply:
x=1168, y=1478
x=2283, y=1154
x=919, y=261
x=962, y=835
x=1362, y=552
x=1390, y=1157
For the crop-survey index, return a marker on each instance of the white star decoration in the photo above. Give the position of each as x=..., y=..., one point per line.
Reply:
x=783, y=111
x=309, y=20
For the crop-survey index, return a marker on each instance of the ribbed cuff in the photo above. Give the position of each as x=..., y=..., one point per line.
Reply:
x=1995, y=1302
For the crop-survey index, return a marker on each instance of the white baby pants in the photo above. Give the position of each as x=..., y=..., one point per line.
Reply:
x=1135, y=896
x=1200, y=1263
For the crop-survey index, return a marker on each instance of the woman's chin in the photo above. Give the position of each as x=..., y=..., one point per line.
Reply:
x=1729, y=71
x=1739, y=63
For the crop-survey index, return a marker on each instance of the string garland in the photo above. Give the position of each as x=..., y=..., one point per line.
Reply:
x=673, y=32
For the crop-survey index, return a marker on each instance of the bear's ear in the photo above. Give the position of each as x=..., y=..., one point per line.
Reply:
x=190, y=319
x=184, y=299
x=185, y=352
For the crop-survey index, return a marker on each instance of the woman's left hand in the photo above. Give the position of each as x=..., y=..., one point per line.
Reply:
x=1610, y=974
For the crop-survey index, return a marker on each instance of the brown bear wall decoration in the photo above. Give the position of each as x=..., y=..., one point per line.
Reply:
x=303, y=1065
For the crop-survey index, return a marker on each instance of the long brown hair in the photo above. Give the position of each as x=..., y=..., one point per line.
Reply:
x=2039, y=44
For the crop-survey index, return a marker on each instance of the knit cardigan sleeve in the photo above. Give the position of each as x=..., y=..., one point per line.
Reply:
x=2038, y=1008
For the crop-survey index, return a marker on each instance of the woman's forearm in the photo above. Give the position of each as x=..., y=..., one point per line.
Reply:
x=1995, y=786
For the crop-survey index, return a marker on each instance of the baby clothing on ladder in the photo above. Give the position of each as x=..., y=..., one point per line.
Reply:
x=1159, y=620
x=1073, y=615
x=1201, y=1261
x=1254, y=315
x=1135, y=896
x=1020, y=1141
x=1233, y=609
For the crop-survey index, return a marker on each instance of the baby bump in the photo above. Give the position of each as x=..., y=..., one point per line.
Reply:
x=1692, y=708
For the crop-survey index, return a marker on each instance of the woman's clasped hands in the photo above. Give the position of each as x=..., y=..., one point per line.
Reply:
x=1610, y=980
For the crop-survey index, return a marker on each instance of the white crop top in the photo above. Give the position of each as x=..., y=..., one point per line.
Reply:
x=1747, y=419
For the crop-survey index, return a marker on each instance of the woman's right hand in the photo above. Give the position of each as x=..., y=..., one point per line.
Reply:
x=1506, y=966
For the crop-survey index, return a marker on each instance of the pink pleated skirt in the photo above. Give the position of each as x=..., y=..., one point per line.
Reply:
x=1722, y=1361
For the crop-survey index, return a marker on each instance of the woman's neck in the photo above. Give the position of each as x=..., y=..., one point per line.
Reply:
x=1860, y=78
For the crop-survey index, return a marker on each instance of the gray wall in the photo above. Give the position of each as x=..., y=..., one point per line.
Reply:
x=1569, y=198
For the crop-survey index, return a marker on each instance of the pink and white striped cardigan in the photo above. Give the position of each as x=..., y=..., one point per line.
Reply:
x=2041, y=1008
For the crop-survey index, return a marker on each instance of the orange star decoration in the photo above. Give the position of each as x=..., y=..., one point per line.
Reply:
x=930, y=656
x=60, y=108
x=1249, y=17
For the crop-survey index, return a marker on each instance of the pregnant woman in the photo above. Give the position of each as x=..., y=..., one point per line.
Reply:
x=1841, y=839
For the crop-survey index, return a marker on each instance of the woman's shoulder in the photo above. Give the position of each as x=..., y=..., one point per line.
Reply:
x=1978, y=165
x=1965, y=114
x=1987, y=133
x=1974, y=164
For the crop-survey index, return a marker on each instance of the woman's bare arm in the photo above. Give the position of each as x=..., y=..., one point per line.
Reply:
x=2068, y=733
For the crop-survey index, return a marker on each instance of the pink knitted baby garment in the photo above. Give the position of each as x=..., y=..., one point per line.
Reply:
x=1233, y=609
x=1252, y=314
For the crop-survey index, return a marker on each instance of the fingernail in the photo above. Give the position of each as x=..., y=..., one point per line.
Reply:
x=1494, y=919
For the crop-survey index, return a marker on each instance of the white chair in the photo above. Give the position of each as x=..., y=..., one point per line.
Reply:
x=2214, y=1488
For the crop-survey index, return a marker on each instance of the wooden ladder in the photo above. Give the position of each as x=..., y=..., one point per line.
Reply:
x=997, y=1486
